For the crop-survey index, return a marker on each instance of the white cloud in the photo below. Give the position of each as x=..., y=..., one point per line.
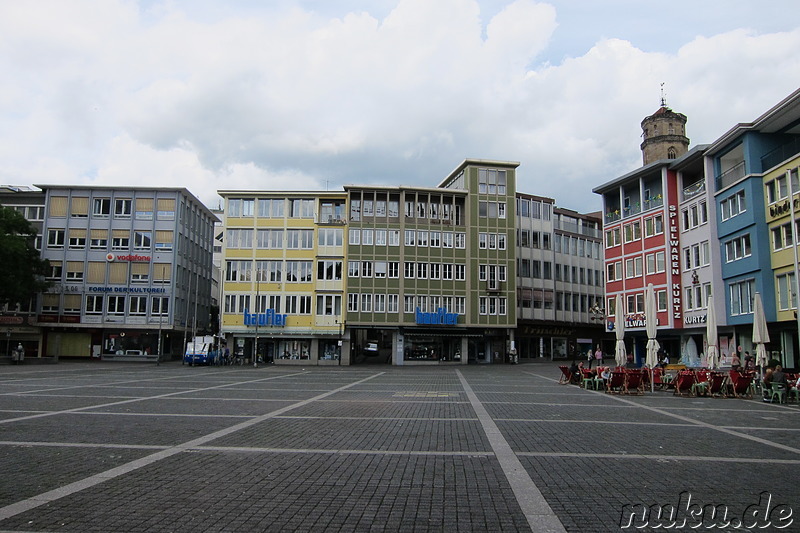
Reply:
x=117, y=92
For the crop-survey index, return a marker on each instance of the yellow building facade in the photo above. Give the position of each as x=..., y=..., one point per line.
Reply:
x=283, y=276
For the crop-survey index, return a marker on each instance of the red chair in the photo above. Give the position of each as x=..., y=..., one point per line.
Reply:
x=716, y=384
x=566, y=375
x=634, y=381
x=616, y=383
x=683, y=382
x=739, y=386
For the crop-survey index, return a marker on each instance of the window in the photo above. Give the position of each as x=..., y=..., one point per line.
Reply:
x=352, y=302
x=302, y=239
x=741, y=297
x=366, y=237
x=410, y=237
x=353, y=269
x=614, y=271
x=394, y=269
x=733, y=205
x=298, y=271
x=94, y=304
x=101, y=207
x=366, y=303
x=55, y=238
x=380, y=269
x=380, y=237
x=635, y=303
x=366, y=269
x=329, y=270
x=140, y=272
x=79, y=209
x=116, y=305
x=123, y=208
x=654, y=226
x=394, y=237
x=159, y=305
x=144, y=209
x=74, y=271
x=460, y=272
x=164, y=240
x=120, y=240
x=392, y=302
x=137, y=305
x=301, y=208
x=613, y=238
x=655, y=262
x=99, y=239
x=298, y=305
x=738, y=248
x=329, y=305
x=142, y=240
x=77, y=238
x=355, y=210
x=461, y=240
x=238, y=270
x=696, y=255
x=269, y=271
x=782, y=237
x=633, y=231
x=242, y=238
x=787, y=296
x=447, y=239
x=166, y=209
x=354, y=236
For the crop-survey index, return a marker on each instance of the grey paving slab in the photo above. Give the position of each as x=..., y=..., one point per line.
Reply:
x=197, y=406
x=361, y=434
x=49, y=403
x=589, y=494
x=210, y=491
x=607, y=414
x=102, y=429
x=427, y=409
x=30, y=470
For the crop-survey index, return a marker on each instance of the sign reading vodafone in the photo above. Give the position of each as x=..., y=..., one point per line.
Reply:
x=128, y=257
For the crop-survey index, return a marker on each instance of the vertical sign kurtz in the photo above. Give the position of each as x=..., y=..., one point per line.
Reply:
x=675, y=265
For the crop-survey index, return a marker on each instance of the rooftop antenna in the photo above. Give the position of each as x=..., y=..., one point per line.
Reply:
x=663, y=96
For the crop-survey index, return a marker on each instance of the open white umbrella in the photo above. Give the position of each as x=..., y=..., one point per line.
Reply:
x=619, y=329
x=651, y=323
x=760, y=333
x=712, y=354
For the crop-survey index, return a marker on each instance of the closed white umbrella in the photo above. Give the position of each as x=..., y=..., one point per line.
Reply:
x=712, y=354
x=619, y=329
x=760, y=333
x=651, y=323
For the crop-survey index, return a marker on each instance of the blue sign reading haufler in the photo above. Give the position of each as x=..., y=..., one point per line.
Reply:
x=267, y=318
x=440, y=317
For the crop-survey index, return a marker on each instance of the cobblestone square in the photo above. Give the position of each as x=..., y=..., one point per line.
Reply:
x=126, y=447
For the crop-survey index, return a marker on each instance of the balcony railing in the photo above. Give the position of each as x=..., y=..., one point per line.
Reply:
x=780, y=154
x=730, y=176
x=694, y=189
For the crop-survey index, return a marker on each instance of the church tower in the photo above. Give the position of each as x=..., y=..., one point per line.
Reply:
x=664, y=134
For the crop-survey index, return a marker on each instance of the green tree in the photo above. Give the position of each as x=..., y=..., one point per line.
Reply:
x=22, y=270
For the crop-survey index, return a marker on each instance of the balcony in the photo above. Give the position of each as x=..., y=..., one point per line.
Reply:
x=781, y=154
x=694, y=189
x=730, y=176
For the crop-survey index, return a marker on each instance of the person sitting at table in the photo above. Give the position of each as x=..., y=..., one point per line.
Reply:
x=779, y=377
x=576, y=371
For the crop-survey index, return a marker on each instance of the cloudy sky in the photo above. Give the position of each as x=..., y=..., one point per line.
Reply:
x=314, y=94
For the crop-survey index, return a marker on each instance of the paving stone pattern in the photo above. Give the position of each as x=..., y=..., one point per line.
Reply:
x=118, y=447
